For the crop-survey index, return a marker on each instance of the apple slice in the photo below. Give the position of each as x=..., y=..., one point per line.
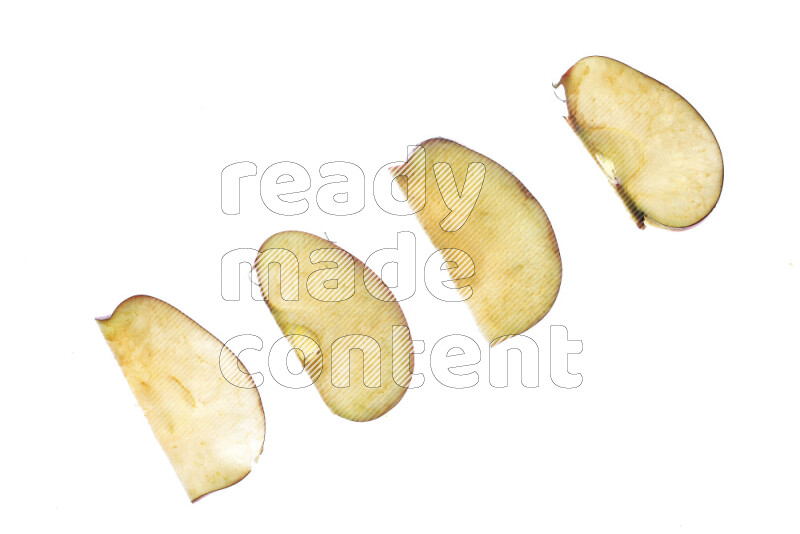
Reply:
x=474, y=209
x=349, y=332
x=210, y=425
x=657, y=151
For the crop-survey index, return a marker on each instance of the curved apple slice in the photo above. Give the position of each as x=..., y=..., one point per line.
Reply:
x=205, y=413
x=349, y=332
x=469, y=204
x=657, y=151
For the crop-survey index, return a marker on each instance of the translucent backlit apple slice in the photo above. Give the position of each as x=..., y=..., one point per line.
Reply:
x=657, y=151
x=205, y=412
x=349, y=332
x=495, y=237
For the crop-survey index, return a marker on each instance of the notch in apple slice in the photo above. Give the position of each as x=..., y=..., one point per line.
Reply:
x=201, y=404
x=494, y=236
x=656, y=150
x=342, y=320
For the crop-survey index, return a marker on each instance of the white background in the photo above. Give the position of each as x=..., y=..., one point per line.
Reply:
x=116, y=123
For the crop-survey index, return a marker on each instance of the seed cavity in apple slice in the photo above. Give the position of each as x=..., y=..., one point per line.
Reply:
x=201, y=403
x=657, y=151
x=494, y=236
x=342, y=321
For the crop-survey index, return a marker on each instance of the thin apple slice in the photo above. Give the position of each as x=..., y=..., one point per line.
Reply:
x=468, y=203
x=210, y=424
x=657, y=151
x=349, y=332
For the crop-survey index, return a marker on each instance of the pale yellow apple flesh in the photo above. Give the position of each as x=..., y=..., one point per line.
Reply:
x=210, y=424
x=507, y=235
x=351, y=335
x=657, y=151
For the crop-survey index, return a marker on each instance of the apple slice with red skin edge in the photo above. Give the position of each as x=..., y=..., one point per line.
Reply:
x=515, y=271
x=655, y=148
x=347, y=328
x=205, y=412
